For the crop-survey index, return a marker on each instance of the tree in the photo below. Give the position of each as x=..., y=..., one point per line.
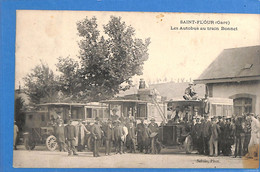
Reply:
x=19, y=115
x=69, y=79
x=108, y=61
x=41, y=84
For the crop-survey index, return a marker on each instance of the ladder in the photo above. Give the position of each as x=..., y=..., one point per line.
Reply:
x=159, y=109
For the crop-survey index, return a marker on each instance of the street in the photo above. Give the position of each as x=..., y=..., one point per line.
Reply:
x=169, y=158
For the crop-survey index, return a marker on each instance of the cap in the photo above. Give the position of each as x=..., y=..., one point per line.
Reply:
x=152, y=119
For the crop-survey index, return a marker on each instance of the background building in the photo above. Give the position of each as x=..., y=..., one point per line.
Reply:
x=235, y=74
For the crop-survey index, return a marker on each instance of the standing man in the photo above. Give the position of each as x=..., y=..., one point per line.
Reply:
x=59, y=133
x=125, y=133
x=70, y=136
x=109, y=136
x=132, y=137
x=140, y=135
x=119, y=136
x=206, y=134
x=96, y=134
x=154, y=129
x=221, y=134
x=253, y=146
x=16, y=130
x=213, y=142
x=114, y=116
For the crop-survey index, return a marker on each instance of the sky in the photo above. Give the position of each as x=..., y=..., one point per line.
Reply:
x=47, y=35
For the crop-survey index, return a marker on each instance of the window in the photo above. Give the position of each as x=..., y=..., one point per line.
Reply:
x=89, y=113
x=141, y=111
x=30, y=116
x=43, y=117
x=242, y=105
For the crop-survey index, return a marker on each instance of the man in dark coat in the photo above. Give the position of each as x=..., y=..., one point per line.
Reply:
x=96, y=134
x=239, y=134
x=213, y=142
x=119, y=133
x=228, y=138
x=206, y=127
x=108, y=136
x=140, y=135
x=221, y=135
x=60, y=136
x=146, y=137
x=132, y=137
x=70, y=135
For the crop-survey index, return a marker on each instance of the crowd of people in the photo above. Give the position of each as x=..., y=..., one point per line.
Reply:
x=228, y=136
x=120, y=135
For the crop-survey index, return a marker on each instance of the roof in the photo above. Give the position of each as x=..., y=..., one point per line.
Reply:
x=171, y=90
x=232, y=65
x=124, y=101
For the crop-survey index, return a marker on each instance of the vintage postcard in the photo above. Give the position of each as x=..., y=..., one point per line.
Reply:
x=136, y=90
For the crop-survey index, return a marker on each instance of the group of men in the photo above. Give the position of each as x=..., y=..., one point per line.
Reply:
x=218, y=135
x=118, y=133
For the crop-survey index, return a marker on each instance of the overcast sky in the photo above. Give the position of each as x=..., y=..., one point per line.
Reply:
x=47, y=35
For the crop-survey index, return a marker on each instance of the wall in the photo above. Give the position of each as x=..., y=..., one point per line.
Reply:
x=234, y=90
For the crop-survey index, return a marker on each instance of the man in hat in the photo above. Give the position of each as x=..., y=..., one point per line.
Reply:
x=59, y=134
x=206, y=128
x=154, y=129
x=228, y=138
x=119, y=137
x=140, y=135
x=132, y=137
x=70, y=136
x=114, y=116
x=221, y=124
x=16, y=130
x=189, y=93
x=108, y=136
x=96, y=134
x=213, y=142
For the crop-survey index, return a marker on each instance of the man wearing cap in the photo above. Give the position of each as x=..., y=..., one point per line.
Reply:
x=96, y=134
x=70, y=136
x=206, y=128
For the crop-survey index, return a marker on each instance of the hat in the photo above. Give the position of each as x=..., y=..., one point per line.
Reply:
x=114, y=109
x=152, y=119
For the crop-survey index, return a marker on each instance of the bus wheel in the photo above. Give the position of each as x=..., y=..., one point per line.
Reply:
x=51, y=143
x=188, y=144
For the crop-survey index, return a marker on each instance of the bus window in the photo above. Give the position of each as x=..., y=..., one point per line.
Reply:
x=43, y=117
x=141, y=111
x=89, y=113
x=100, y=113
x=94, y=113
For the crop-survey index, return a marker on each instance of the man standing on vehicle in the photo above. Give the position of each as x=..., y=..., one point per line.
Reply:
x=70, y=135
x=96, y=134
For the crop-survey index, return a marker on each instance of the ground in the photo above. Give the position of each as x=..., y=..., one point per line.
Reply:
x=169, y=158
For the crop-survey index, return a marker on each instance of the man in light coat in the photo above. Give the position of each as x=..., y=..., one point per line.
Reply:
x=16, y=130
x=253, y=146
x=81, y=132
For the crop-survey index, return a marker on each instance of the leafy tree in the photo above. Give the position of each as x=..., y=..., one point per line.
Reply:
x=69, y=79
x=108, y=61
x=19, y=114
x=41, y=84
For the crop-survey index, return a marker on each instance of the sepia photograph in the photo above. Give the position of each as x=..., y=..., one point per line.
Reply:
x=103, y=89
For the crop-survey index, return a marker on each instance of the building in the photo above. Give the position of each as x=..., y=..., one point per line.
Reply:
x=235, y=74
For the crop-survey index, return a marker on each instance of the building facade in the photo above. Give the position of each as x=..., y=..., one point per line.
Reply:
x=235, y=74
